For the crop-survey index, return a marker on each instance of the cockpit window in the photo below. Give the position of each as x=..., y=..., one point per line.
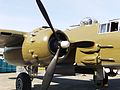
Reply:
x=103, y=28
x=114, y=26
x=111, y=26
x=108, y=26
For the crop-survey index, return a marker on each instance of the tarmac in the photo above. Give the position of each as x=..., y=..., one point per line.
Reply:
x=78, y=82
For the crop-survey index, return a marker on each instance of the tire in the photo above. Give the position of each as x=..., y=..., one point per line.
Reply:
x=23, y=82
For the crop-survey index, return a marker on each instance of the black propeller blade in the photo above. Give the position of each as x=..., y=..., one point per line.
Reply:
x=50, y=71
x=44, y=13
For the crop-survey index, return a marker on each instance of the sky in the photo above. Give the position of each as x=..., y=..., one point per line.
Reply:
x=24, y=15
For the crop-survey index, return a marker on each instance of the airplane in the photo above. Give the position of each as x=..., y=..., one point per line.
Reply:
x=89, y=46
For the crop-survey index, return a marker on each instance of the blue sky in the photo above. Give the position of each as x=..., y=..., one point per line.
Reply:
x=25, y=15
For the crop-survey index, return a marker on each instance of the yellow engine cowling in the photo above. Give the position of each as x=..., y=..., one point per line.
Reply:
x=40, y=45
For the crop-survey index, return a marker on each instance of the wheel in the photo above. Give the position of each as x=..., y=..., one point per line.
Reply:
x=23, y=82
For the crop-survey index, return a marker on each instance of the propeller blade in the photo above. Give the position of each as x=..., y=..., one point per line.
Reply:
x=50, y=72
x=44, y=13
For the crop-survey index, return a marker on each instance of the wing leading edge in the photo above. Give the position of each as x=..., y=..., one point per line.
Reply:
x=11, y=38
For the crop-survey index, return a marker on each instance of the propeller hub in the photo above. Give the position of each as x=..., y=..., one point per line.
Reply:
x=64, y=44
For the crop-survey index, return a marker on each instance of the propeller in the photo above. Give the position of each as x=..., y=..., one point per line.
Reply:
x=44, y=13
x=50, y=71
x=61, y=44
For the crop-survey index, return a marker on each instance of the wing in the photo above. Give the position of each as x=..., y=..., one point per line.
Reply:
x=11, y=38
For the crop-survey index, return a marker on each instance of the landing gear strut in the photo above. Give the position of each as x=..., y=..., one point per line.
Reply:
x=100, y=78
x=23, y=81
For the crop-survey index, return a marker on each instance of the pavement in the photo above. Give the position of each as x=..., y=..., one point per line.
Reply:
x=78, y=82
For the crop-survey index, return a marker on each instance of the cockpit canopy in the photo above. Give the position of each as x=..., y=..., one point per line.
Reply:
x=88, y=21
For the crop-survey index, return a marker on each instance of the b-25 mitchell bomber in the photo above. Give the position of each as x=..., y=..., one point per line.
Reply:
x=90, y=46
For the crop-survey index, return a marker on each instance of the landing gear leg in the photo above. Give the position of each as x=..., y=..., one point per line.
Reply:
x=32, y=71
x=105, y=80
x=100, y=78
x=23, y=81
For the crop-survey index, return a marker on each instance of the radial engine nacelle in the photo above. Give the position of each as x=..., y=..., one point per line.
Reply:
x=41, y=44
